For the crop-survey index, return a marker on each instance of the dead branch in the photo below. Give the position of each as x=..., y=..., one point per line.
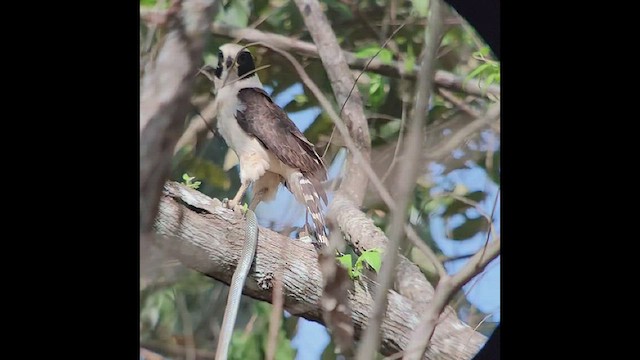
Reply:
x=207, y=237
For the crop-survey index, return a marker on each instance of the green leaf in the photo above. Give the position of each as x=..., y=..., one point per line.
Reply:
x=355, y=274
x=301, y=99
x=470, y=228
x=346, y=262
x=372, y=257
x=377, y=90
x=375, y=84
x=477, y=71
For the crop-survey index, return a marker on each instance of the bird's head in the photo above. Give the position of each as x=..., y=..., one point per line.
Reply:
x=234, y=61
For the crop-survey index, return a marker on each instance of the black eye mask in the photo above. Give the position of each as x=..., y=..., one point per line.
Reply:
x=245, y=64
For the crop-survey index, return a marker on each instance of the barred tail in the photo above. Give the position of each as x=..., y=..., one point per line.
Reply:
x=305, y=192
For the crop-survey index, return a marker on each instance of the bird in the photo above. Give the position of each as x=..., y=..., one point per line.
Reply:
x=270, y=148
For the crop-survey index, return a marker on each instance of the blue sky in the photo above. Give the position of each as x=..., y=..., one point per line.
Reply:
x=483, y=291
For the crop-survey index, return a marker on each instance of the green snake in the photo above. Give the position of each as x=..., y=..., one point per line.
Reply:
x=237, y=283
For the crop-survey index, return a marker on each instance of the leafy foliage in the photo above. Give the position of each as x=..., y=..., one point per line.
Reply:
x=188, y=181
x=372, y=257
x=488, y=70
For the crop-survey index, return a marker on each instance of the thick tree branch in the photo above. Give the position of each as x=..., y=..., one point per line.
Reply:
x=165, y=98
x=442, y=78
x=363, y=234
x=207, y=237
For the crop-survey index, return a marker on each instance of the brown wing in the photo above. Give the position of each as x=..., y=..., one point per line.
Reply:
x=259, y=116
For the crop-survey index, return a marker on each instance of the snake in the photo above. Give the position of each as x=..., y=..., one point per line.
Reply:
x=237, y=283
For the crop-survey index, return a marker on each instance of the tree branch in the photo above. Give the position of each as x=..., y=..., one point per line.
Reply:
x=207, y=237
x=446, y=288
x=363, y=234
x=396, y=69
x=165, y=98
x=335, y=64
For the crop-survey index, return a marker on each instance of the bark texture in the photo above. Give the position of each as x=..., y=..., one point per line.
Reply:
x=208, y=238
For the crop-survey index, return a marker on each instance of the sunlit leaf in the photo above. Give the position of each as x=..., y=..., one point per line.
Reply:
x=346, y=261
x=373, y=257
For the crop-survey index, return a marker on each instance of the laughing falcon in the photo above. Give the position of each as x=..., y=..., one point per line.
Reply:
x=269, y=146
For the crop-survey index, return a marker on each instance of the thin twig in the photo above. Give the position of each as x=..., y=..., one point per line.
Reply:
x=493, y=211
x=399, y=142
